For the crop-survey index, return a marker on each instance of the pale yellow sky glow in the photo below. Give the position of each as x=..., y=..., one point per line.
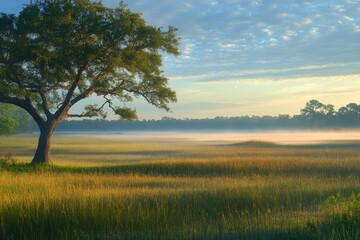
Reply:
x=266, y=96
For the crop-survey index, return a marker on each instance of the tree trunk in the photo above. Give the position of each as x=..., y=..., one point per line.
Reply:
x=42, y=154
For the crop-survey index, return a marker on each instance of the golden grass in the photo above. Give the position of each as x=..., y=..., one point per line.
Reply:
x=115, y=189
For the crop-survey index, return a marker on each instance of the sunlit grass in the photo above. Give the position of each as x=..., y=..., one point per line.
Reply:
x=114, y=189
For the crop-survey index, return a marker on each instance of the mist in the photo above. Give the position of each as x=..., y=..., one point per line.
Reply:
x=233, y=137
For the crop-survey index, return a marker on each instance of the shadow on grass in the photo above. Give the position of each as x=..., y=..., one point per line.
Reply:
x=126, y=153
x=186, y=169
x=253, y=235
x=139, y=235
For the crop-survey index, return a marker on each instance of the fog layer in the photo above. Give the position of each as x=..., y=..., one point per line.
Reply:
x=304, y=137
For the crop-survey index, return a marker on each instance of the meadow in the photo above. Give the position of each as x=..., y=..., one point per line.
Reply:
x=144, y=188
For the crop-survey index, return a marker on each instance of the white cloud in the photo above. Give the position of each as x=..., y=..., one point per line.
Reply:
x=339, y=9
x=349, y=19
x=268, y=32
x=356, y=28
x=307, y=21
x=314, y=32
x=228, y=45
x=187, y=49
x=265, y=75
x=289, y=35
x=273, y=42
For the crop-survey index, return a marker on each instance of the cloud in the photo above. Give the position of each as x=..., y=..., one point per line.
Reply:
x=187, y=48
x=274, y=74
x=240, y=34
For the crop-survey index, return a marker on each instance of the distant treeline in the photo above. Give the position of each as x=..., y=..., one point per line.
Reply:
x=315, y=115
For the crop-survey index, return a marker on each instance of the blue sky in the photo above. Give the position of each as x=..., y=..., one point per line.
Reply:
x=245, y=57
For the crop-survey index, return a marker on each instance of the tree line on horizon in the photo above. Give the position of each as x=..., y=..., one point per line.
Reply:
x=314, y=115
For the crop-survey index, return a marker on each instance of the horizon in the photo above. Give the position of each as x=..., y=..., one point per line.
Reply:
x=253, y=57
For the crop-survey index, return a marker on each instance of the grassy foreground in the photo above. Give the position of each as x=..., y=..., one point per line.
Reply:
x=99, y=188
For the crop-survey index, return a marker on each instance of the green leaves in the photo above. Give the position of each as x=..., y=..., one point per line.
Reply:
x=93, y=110
x=343, y=217
x=12, y=119
x=8, y=125
x=125, y=113
x=56, y=53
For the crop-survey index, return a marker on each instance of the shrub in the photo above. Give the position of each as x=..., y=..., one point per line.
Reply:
x=7, y=159
x=342, y=217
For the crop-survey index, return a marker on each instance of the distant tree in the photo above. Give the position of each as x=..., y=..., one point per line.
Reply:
x=14, y=119
x=284, y=117
x=8, y=121
x=54, y=54
x=283, y=120
x=316, y=112
x=350, y=114
x=330, y=115
x=329, y=110
x=165, y=118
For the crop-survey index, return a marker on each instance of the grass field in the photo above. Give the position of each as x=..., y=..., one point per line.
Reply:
x=109, y=188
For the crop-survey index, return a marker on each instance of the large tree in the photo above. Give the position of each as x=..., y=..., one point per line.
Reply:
x=56, y=53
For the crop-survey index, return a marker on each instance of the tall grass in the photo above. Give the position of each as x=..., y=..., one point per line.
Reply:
x=124, y=190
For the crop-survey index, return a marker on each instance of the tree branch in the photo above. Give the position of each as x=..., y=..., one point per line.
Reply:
x=83, y=95
x=69, y=94
x=45, y=105
x=143, y=94
x=93, y=111
x=26, y=105
x=15, y=79
x=31, y=88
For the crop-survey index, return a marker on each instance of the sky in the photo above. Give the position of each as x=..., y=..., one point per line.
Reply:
x=246, y=57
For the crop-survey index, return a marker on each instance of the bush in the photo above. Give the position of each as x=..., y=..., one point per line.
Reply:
x=342, y=217
x=7, y=159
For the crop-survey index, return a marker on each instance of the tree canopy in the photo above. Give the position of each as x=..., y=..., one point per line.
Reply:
x=56, y=53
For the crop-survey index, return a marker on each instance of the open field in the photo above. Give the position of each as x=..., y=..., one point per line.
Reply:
x=131, y=187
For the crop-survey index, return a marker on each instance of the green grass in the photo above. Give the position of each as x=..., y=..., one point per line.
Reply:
x=100, y=188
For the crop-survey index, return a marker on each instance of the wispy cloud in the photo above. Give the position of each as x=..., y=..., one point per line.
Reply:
x=280, y=74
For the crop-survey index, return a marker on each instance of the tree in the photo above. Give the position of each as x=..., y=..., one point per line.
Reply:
x=13, y=119
x=316, y=112
x=8, y=122
x=350, y=114
x=56, y=53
